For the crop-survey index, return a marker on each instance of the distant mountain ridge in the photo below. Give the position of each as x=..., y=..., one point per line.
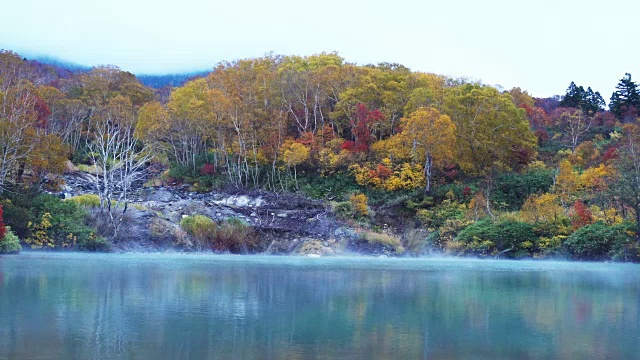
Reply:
x=150, y=80
x=173, y=80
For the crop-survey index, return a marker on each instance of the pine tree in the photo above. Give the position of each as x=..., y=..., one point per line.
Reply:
x=625, y=101
x=588, y=101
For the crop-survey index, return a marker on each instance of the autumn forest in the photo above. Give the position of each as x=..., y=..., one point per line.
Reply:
x=419, y=163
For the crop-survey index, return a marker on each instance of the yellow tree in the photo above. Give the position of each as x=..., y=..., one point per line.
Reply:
x=293, y=155
x=429, y=135
x=541, y=208
x=491, y=133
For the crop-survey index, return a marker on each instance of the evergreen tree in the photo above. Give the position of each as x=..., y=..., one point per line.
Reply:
x=625, y=101
x=573, y=97
x=588, y=101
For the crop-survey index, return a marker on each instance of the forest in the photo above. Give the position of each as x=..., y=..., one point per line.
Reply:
x=421, y=163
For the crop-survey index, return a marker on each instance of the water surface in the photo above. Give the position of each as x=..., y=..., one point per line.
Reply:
x=147, y=306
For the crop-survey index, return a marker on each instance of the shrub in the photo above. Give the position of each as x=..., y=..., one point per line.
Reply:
x=549, y=247
x=94, y=243
x=599, y=241
x=10, y=244
x=435, y=217
x=91, y=169
x=336, y=186
x=359, y=204
x=63, y=224
x=200, y=227
x=487, y=237
x=233, y=235
x=86, y=200
x=343, y=209
x=386, y=240
x=47, y=221
x=512, y=189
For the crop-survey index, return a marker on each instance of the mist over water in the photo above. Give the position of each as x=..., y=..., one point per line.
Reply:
x=241, y=307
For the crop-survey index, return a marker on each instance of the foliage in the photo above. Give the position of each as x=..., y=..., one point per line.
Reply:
x=435, y=217
x=625, y=101
x=488, y=237
x=86, y=200
x=232, y=235
x=384, y=239
x=586, y=100
x=46, y=221
x=235, y=236
x=543, y=208
x=199, y=226
x=512, y=189
x=10, y=244
x=359, y=204
x=599, y=241
x=491, y=132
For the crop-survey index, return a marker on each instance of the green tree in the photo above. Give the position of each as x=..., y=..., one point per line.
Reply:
x=587, y=101
x=625, y=184
x=625, y=101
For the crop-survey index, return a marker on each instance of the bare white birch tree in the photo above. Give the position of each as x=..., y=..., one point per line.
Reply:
x=118, y=157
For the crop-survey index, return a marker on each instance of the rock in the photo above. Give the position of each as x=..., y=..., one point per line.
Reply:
x=161, y=196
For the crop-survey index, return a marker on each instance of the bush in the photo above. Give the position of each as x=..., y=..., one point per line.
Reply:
x=599, y=241
x=487, y=237
x=90, y=169
x=47, y=221
x=343, y=210
x=359, y=204
x=200, y=227
x=512, y=189
x=10, y=244
x=94, y=243
x=203, y=176
x=386, y=240
x=233, y=235
x=550, y=247
x=336, y=186
x=435, y=217
x=86, y=200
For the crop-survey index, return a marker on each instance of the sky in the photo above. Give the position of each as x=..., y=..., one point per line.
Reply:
x=539, y=46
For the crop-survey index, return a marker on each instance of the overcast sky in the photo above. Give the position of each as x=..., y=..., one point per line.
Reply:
x=541, y=46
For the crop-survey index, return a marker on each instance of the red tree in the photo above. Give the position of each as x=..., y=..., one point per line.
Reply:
x=581, y=215
x=361, y=128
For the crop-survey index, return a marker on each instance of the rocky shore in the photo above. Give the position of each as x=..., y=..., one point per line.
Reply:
x=285, y=223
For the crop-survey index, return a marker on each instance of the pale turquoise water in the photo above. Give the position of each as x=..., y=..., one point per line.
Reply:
x=144, y=306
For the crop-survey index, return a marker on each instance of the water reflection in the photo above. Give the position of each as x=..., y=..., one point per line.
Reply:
x=114, y=306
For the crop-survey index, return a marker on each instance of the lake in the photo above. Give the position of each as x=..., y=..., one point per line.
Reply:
x=180, y=306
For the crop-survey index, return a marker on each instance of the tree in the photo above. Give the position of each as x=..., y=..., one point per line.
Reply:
x=293, y=155
x=362, y=127
x=574, y=123
x=490, y=129
x=625, y=184
x=427, y=135
x=492, y=134
x=18, y=120
x=541, y=208
x=115, y=152
x=588, y=101
x=625, y=101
